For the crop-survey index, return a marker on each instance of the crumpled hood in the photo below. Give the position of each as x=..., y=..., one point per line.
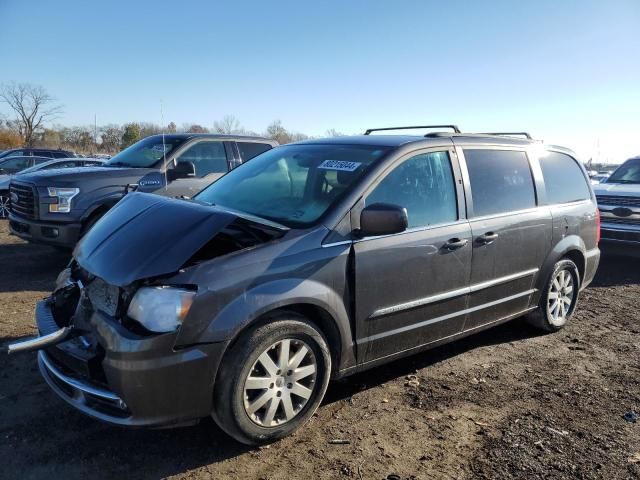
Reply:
x=147, y=235
x=632, y=189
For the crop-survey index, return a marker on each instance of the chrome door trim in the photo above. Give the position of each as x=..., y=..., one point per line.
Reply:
x=451, y=294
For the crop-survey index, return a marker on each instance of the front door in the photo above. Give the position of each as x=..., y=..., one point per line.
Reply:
x=511, y=234
x=210, y=163
x=411, y=287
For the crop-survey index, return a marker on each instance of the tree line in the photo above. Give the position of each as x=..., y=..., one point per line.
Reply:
x=33, y=108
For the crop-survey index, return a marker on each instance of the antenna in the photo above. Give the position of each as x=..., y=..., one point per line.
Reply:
x=164, y=148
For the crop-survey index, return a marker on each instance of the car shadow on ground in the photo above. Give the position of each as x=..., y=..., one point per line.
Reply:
x=615, y=269
x=25, y=267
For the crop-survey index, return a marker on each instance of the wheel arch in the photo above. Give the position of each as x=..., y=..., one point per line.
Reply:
x=571, y=247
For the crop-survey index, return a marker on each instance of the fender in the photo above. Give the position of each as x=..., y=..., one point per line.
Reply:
x=246, y=310
x=107, y=201
x=567, y=244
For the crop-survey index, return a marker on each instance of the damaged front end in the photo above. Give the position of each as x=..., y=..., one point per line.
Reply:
x=95, y=353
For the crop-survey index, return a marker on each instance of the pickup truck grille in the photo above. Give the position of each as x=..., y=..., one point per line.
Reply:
x=619, y=201
x=621, y=220
x=26, y=202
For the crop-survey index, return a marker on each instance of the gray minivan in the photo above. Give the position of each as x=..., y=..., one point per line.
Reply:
x=312, y=261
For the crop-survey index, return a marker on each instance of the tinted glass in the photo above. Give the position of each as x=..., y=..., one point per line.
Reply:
x=69, y=164
x=43, y=153
x=12, y=153
x=248, y=150
x=207, y=157
x=501, y=181
x=628, y=172
x=146, y=153
x=563, y=179
x=15, y=164
x=293, y=185
x=423, y=185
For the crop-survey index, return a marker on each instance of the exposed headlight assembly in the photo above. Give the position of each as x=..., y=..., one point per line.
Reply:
x=64, y=196
x=160, y=309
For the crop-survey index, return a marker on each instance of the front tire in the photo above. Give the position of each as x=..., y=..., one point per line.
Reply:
x=272, y=380
x=559, y=298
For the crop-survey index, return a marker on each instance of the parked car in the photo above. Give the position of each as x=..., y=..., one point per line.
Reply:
x=619, y=202
x=13, y=165
x=41, y=163
x=37, y=152
x=57, y=208
x=313, y=261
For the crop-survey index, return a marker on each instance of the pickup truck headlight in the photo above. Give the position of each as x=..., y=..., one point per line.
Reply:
x=160, y=309
x=64, y=196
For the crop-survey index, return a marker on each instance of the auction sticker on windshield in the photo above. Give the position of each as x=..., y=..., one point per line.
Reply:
x=339, y=165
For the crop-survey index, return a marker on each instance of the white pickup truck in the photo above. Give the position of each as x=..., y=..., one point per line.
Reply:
x=619, y=204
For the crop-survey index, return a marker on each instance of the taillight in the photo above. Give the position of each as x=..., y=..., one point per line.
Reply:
x=597, y=226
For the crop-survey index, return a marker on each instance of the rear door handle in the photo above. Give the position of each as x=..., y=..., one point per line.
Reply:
x=455, y=243
x=487, y=238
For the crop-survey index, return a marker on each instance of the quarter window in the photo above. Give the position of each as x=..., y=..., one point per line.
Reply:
x=563, y=179
x=207, y=157
x=501, y=181
x=423, y=185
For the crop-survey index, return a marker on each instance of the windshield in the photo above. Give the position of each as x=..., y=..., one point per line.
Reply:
x=146, y=153
x=292, y=185
x=9, y=153
x=629, y=172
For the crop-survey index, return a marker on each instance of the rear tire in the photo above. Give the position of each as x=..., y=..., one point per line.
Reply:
x=559, y=298
x=272, y=380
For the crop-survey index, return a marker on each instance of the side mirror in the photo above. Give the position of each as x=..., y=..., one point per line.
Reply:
x=181, y=170
x=383, y=219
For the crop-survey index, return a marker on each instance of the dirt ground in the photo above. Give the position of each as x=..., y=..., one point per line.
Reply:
x=506, y=403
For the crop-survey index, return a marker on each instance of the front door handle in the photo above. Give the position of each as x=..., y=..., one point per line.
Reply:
x=455, y=243
x=487, y=238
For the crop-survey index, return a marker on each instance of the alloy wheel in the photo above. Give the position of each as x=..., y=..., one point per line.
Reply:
x=280, y=383
x=560, y=298
x=4, y=206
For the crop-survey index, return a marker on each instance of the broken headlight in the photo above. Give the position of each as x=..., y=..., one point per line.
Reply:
x=160, y=309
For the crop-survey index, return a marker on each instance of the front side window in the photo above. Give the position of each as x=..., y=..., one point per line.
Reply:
x=207, y=157
x=563, y=178
x=294, y=184
x=501, y=181
x=57, y=165
x=422, y=184
x=628, y=172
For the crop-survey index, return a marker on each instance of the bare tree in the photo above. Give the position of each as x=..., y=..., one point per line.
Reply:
x=228, y=125
x=32, y=105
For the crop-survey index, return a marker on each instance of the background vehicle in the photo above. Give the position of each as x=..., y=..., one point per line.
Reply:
x=315, y=260
x=37, y=152
x=41, y=163
x=619, y=204
x=58, y=207
x=599, y=178
x=12, y=165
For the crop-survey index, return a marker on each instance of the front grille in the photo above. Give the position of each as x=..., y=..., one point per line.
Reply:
x=620, y=236
x=619, y=201
x=621, y=220
x=26, y=202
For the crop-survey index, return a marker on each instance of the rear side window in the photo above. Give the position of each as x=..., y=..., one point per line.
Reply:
x=501, y=181
x=563, y=179
x=248, y=150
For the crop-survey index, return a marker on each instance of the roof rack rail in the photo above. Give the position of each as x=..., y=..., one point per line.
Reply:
x=509, y=134
x=452, y=127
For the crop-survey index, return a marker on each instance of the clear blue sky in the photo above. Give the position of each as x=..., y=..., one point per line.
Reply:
x=569, y=71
